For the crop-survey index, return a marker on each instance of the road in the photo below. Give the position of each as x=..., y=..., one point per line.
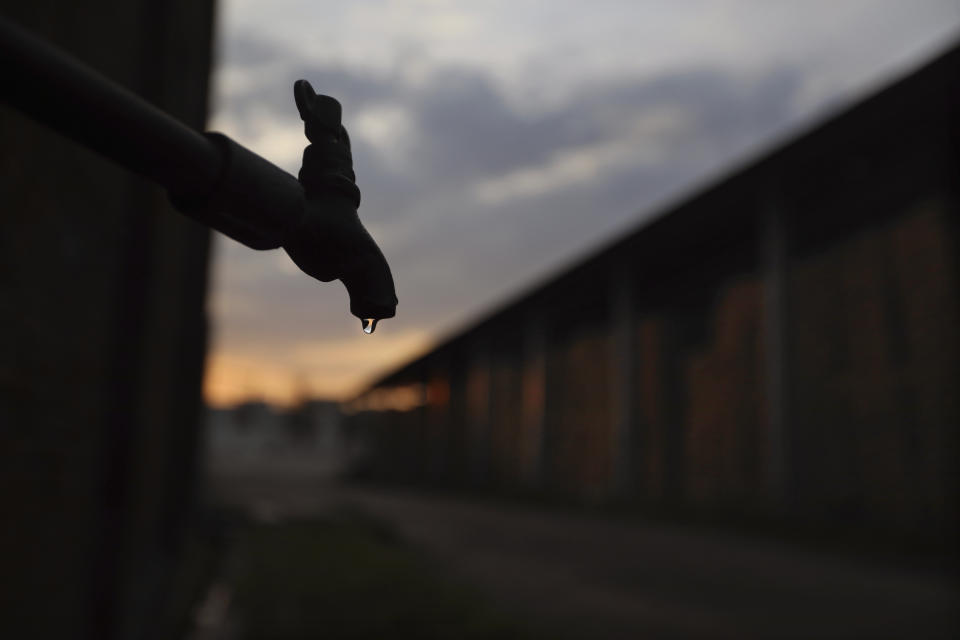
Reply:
x=590, y=577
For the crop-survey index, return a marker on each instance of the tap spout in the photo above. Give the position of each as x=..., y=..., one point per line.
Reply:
x=329, y=243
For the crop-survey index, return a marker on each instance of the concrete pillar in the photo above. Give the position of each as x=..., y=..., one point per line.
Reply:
x=478, y=414
x=437, y=432
x=534, y=393
x=775, y=266
x=623, y=373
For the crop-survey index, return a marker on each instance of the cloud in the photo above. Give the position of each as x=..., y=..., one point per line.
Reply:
x=642, y=144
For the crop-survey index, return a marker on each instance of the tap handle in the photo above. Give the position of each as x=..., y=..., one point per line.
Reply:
x=321, y=114
x=327, y=161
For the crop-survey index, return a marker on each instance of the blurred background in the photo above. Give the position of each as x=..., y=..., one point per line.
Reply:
x=675, y=355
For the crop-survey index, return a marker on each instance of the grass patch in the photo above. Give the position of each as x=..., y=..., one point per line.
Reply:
x=351, y=578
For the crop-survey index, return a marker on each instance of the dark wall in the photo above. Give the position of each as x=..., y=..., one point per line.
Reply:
x=102, y=336
x=782, y=345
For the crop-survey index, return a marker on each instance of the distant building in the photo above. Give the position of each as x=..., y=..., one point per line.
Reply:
x=256, y=439
x=782, y=344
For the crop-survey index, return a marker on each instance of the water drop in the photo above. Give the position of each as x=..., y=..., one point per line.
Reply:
x=368, y=324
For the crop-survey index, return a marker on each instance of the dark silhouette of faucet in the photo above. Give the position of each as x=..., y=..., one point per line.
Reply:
x=209, y=176
x=329, y=242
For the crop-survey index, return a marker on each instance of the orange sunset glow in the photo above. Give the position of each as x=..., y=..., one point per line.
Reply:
x=333, y=369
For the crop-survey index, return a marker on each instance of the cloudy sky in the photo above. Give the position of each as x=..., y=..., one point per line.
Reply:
x=495, y=141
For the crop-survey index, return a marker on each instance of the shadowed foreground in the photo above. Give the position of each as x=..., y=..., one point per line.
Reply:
x=342, y=576
x=564, y=573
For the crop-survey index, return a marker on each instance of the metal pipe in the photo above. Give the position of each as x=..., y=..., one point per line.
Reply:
x=55, y=89
x=208, y=176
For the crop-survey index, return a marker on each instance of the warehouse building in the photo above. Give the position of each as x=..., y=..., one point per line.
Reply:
x=781, y=344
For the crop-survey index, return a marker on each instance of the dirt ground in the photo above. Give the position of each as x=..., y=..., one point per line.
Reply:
x=587, y=576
